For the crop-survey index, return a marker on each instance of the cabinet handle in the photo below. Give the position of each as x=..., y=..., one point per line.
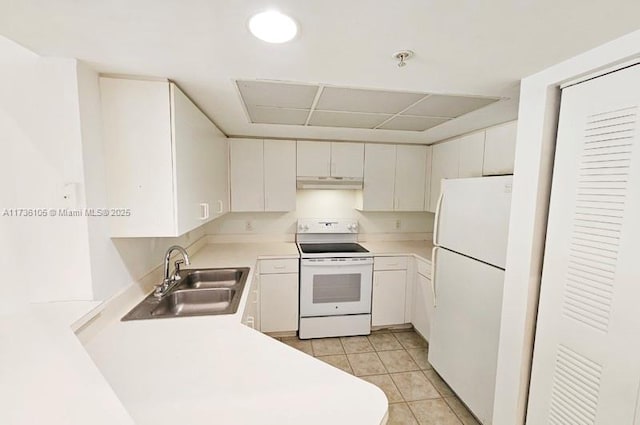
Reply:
x=220, y=206
x=251, y=322
x=204, y=211
x=436, y=224
x=433, y=274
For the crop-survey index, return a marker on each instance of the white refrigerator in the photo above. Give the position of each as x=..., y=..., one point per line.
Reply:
x=470, y=239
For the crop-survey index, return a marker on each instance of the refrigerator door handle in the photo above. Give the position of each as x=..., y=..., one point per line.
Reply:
x=433, y=273
x=437, y=218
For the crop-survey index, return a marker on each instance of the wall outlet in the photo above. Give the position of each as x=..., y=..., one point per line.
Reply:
x=248, y=226
x=398, y=224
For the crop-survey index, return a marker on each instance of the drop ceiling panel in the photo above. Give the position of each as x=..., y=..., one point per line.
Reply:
x=277, y=94
x=406, y=123
x=448, y=106
x=261, y=115
x=360, y=100
x=346, y=119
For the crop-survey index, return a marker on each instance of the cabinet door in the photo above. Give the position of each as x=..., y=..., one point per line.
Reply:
x=500, y=149
x=219, y=168
x=410, y=177
x=444, y=165
x=279, y=302
x=251, y=314
x=388, y=300
x=379, y=177
x=247, y=175
x=195, y=141
x=427, y=178
x=422, y=306
x=471, y=155
x=138, y=156
x=279, y=175
x=314, y=159
x=347, y=159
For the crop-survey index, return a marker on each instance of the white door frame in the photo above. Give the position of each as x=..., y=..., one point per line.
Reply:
x=535, y=149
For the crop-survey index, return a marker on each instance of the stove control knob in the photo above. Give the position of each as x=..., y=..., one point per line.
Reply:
x=353, y=227
x=303, y=227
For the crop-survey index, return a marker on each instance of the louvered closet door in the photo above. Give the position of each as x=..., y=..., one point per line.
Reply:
x=586, y=367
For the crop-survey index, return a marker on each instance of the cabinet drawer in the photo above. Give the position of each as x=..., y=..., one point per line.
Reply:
x=289, y=265
x=390, y=263
x=424, y=268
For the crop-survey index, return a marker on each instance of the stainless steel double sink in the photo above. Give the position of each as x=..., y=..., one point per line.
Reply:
x=200, y=292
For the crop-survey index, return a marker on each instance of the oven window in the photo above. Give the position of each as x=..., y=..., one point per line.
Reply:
x=336, y=288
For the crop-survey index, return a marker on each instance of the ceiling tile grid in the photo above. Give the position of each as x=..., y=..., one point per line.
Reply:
x=276, y=102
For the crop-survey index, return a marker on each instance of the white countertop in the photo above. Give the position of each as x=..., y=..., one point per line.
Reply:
x=46, y=376
x=203, y=370
x=421, y=249
x=187, y=370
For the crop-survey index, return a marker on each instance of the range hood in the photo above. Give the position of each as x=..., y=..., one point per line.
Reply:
x=350, y=183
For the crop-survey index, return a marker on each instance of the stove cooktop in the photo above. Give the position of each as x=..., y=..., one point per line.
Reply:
x=331, y=248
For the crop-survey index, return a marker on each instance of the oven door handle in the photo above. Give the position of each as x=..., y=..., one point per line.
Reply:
x=311, y=263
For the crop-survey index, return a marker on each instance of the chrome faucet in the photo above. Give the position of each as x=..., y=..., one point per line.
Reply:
x=169, y=281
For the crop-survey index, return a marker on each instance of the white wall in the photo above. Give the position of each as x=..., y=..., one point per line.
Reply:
x=322, y=204
x=537, y=124
x=41, y=154
x=52, y=137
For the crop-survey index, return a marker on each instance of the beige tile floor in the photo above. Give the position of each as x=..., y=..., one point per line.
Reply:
x=395, y=361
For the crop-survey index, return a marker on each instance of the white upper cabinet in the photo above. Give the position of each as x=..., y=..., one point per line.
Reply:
x=500, y=149
x=279, y=175
x=247, y=175
x=159, y=151
x=263, y=175
x=471, y=155
x=314, y=159
x=347, y=160
x=427, y=178
x=330, y=159
x=444, y=165
x=379, y=178
x=394, y=178
x=411, y=163
x=202, y=182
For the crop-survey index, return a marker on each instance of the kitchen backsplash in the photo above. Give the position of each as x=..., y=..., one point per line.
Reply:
x=321, y=204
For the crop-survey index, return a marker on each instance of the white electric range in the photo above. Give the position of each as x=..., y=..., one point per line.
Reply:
x=336, y=278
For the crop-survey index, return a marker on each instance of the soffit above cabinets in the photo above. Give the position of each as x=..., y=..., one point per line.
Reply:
x=275, y=102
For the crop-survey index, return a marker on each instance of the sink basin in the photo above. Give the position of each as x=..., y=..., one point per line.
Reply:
x=192, y=302
x=200, y=292
x=211, y=278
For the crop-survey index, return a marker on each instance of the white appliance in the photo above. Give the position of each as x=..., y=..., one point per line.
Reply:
x=470, y=239
x=336, y=275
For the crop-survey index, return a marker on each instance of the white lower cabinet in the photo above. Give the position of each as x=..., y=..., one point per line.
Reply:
x=251, y=315
x=279, y=296
x=389, y=291
x=389, y=288
x=422, y=310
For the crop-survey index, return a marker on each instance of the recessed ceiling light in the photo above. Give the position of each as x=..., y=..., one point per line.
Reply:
x=273, y=27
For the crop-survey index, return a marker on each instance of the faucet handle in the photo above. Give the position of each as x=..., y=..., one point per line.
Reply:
x=176, y=273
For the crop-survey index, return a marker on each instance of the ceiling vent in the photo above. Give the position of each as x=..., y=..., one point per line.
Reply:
x=273, y=102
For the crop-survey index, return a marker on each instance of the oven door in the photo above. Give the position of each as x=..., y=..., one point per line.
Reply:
x=335, y=286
